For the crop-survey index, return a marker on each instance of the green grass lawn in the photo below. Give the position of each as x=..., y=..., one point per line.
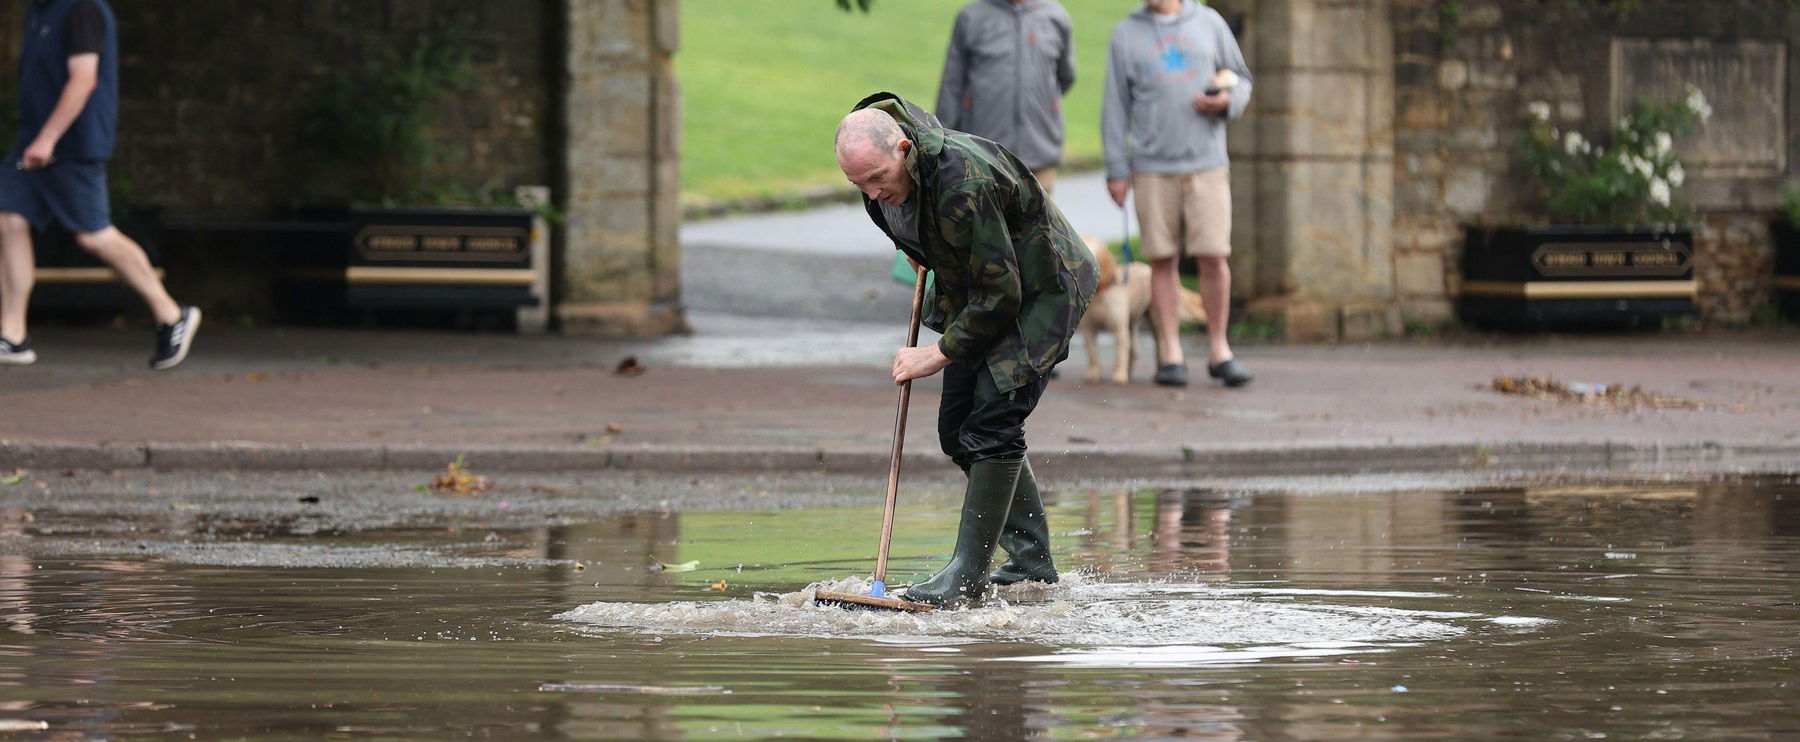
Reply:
x=764, y=82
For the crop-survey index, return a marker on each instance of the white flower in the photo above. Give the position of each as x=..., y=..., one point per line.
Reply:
x=1574, y=144
x=1643, y=166
x=1664, y=142
x=1696, y=102
x=1676, y=175
x=1659, y=191
x=1539, y=110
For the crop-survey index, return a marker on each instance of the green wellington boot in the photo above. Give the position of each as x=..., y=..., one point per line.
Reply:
x=990, y=493
x=1026, y=537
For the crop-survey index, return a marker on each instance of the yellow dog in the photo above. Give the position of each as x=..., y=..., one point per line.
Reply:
x=1119, y=307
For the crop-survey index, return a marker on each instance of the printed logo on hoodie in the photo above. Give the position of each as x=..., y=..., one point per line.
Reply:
x=1177, y=61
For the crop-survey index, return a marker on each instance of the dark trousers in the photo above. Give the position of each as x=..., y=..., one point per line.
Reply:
x=976, y=422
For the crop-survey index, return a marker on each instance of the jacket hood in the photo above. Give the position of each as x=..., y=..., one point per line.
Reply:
x=1188, y=9
x=924, y=129
x=1027, y=6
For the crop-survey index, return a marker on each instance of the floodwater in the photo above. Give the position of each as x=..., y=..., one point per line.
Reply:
x=1664, y=610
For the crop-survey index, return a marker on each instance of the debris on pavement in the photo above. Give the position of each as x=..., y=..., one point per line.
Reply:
x=630, y=367
x=1615, y=396
x=457, y=479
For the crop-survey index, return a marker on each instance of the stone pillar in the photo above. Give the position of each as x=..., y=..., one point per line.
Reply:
x=618, y=272
x=1313, y=167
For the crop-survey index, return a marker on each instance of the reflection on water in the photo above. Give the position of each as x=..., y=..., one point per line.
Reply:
x=1559, y=612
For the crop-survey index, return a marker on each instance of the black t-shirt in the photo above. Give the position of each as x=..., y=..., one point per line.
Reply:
x=86, y=30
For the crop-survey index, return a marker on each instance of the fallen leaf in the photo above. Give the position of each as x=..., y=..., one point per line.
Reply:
x=615, y=428
x=682, y=567
x=720, y=585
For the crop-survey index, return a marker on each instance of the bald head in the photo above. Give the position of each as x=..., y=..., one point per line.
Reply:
x=864, y=130
x=871, y=150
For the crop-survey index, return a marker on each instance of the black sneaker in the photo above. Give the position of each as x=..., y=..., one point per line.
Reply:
x=1231, y=372
x=17, y=354
x=173, y=341
x=1172, y=374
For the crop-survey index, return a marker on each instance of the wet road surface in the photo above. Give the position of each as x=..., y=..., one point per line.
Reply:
x=157, y=607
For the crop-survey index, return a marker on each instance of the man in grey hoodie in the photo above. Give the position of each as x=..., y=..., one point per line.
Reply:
x=1009, y=64
x=1162, y=123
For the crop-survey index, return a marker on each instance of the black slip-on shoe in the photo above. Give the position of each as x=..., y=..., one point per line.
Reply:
x=173, y=341
x=1231, y=372
x=1173, y=374
x=17, y=354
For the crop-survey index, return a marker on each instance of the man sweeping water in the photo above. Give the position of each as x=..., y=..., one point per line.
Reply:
x=1012, y=279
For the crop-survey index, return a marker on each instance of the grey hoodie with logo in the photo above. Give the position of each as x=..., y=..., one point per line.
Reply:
x=1005, y=73
x=1155, y=66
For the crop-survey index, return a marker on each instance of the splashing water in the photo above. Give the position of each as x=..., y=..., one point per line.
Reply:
x=1074, y=613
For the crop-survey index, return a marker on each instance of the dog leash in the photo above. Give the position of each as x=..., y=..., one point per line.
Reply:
x=1125, y=226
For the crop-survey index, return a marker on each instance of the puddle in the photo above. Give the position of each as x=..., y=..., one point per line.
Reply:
x=1544, y=612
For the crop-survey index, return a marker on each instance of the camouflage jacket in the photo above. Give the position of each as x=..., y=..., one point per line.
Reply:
x=1011, y=277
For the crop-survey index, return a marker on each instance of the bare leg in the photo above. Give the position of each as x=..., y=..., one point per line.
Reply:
x=127, y=258
x=1215, y=298
x=17, y=265
x=1165, y=296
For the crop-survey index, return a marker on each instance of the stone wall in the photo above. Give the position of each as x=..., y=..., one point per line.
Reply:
x=1465, y=70
x=576, y=94
x=620, y=269
x=1312, y=167
x=213, y=94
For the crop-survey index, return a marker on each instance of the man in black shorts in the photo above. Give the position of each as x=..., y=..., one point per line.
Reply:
x=68, y=108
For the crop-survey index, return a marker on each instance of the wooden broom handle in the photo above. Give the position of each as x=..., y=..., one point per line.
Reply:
x=893, y=484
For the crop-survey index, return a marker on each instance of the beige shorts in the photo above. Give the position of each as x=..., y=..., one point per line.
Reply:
x=1184, y=213
x=1046, y=177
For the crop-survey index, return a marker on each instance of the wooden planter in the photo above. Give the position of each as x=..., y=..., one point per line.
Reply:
x=460, y=267
x=445, y=258
x=1537, y=277
x=1787, y=268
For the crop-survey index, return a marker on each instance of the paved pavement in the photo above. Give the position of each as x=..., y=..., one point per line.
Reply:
x=747, y=394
